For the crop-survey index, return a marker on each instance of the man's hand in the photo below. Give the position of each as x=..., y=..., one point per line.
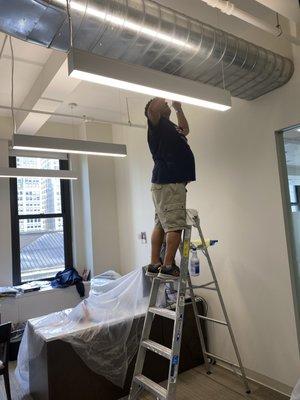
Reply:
x=176, y=105
x=181, y=120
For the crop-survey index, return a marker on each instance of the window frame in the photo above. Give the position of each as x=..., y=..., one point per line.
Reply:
x=15, y=218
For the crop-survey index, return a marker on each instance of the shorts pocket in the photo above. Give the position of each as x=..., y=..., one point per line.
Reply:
x=156, y=186
x=174, y=217
x=173, y=207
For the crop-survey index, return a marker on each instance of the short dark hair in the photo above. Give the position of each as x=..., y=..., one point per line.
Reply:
x=147, y=107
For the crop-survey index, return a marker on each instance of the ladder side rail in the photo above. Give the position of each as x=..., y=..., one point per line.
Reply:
x=180, y=307
x=206, y=253
x=135, y=391
x=199, y=328
x=140, y=359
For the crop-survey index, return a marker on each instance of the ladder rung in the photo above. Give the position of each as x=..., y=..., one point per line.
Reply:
x=206, y=284
x=165, y=279
x=164, y=312
x=202, y=287
x=151, y=386
x=212, y=320
x=222, y=359
x=157, y=348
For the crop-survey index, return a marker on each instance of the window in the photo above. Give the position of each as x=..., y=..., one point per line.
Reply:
x=294, y=191
x=41, y=222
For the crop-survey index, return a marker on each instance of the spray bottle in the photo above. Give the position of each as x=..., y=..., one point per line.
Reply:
x=195, y=263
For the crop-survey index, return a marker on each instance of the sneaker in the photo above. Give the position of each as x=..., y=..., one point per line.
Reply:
x=153, y=269
x=169, y=271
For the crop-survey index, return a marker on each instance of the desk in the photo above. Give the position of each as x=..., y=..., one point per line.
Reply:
x=58, y=373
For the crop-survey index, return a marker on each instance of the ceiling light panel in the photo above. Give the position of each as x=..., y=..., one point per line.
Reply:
x=105, y=71
x=58, y=145
x=36, y=173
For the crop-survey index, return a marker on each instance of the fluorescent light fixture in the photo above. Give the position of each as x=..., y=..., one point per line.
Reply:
x=106, y=71
x=37, y=154
x=36, y=173
x=58, y=145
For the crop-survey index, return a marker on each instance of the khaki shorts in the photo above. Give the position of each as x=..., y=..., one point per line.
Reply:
x=170, y=205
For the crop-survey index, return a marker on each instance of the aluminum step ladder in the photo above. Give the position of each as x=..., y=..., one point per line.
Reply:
x=141, y=383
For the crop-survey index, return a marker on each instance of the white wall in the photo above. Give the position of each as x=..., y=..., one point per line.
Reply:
x=238, y=196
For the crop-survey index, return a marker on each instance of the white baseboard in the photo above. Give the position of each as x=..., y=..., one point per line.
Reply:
x=263, y=380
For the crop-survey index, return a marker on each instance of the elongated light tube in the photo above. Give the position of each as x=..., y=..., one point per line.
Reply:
x=59, y=145
x=115, y=73
x=36, y=173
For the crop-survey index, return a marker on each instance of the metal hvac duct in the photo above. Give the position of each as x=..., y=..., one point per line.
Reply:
x=146, y=33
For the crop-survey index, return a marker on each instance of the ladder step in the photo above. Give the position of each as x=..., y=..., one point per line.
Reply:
x=151, y=386
x=164, y=312
x=212, y=320
x=205, y=286
x=157, y=348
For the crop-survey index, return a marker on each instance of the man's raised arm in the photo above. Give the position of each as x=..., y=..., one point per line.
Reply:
x=181, y=120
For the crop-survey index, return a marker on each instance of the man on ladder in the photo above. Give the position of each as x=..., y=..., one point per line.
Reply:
x=174, y=167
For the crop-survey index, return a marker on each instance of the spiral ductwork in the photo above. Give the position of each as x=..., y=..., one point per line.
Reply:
x=142, y=32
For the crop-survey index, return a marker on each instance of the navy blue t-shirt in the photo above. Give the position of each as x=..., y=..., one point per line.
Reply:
x=173, y=158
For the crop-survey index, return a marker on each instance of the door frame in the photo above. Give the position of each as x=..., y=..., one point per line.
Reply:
x=288, y=223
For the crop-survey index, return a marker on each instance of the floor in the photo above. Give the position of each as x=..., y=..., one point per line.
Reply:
x=221, y=385
x=192, y=385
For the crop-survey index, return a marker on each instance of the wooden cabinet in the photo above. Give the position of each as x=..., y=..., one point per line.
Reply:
x=58, y=373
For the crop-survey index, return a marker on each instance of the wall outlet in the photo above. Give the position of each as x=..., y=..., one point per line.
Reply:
x=143, y=237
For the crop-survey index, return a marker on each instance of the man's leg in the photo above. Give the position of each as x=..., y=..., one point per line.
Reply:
x=173, y=220
x=156, y=243
x=173, y=242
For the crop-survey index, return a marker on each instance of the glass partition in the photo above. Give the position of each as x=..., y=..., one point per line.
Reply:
x=288, y=150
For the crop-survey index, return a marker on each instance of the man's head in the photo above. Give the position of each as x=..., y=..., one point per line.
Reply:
x=160, y=105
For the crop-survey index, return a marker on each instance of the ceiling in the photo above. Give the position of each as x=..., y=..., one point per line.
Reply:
x=289, y=8
x=98, y=102
x=41, y=80
x=29, y=61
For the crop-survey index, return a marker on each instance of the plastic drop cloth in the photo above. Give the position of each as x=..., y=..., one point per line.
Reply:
x=101, y=280
x=296, y=392
x=103, y=329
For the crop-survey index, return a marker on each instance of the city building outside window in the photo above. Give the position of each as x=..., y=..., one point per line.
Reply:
x=41, y=222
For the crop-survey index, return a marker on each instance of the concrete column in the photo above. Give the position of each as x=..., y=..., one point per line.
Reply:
x=99, y=203
x=82, y=220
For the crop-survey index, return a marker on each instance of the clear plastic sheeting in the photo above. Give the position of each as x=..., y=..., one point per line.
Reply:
x=101, y=280
x=103, y=329
x=296, y=392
